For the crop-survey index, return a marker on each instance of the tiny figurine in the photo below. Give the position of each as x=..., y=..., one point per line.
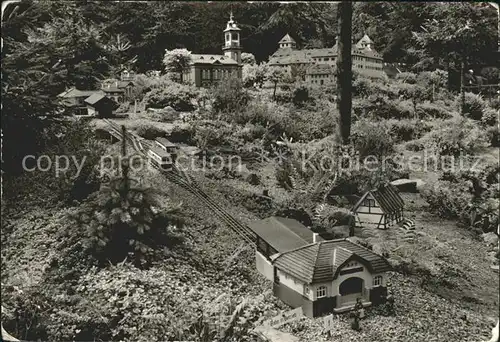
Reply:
x=356, y=315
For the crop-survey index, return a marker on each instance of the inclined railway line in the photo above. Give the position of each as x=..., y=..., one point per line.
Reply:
x=182, y=179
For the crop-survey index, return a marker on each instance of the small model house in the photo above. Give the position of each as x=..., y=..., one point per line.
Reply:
x=74, y=99
x=100, y=105
x=328, y=276
x=277, y=235
x=381, y=207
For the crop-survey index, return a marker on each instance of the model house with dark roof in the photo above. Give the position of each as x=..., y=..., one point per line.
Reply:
x=277, y=235
x=207, y=69
x=365, y=59
x=73, y=97
x=380, y=208
x=329, y=276
x=118, y=90
x=100, y=105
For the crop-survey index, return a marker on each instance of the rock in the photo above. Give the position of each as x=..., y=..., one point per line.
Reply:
x=242, y=170
x=169, y=109
x=492, y=257
x=491, y=239
x=405, y=185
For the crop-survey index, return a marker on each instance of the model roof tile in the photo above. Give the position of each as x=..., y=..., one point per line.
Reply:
x=73, y=92
x=314, y=263
x=211, y=59
x=283, y=234
x=287, y=39
x=387, y=196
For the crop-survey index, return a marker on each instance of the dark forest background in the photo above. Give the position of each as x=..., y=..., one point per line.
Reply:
x=49, y=46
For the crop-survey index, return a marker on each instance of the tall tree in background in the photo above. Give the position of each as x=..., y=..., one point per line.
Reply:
x=344, y=70
x=177, y=61
x=458, y=35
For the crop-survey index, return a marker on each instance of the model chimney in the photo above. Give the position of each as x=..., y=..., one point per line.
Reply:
x=334, y=259
x=315, y=237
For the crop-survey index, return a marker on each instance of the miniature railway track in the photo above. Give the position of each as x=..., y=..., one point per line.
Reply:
x=182, y=179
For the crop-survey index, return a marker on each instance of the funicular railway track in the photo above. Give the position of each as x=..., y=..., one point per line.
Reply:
x=182, y=179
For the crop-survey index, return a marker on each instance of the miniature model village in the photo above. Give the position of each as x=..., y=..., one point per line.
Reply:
x=192, y=194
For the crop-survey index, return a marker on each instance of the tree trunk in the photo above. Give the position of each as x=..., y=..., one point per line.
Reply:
x=462, y=85
x=344, y=70
x=124, y=161
x=274, y=91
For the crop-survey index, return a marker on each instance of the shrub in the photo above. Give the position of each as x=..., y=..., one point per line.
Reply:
x=178, y=96
x=229, y=96
x=495, y=103
x=250, y=132
x=491, y=74
x=361, y=87
x=457, y=136
x=371, y=138
x=150, y=132
x=382, y=107
x=490, y=117
x=476, y=207
x=300, y=95
x=432, y=110
x=406, y=130
x=182, y=134
x=283, y=96
x=407, y=77
x=494, y=136
x=211, y=133
x=474, y=105
x=415, y=146
x=168, y=115
x=254, y=74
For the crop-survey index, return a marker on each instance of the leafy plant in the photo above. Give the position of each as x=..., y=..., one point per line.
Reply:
x=474, y=105
x=370, y=139
x=459, y=135
x=178, y=96
x=229, y=96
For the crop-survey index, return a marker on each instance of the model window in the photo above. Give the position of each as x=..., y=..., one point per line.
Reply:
x=369, y=202
x=306, y=290
x=235, y=36
x=377, y=281
x=321, y=292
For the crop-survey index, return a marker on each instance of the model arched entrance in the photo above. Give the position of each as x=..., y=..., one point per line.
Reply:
x=351, y=286
x=349, y=290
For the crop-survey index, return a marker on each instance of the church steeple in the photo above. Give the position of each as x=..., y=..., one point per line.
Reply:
x=232, y=47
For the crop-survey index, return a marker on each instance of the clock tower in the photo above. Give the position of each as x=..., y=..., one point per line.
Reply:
x=232, y=47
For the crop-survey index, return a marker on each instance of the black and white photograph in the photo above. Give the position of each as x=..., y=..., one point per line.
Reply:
x=259, y=171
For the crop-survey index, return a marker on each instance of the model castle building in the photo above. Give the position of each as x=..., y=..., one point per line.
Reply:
x=206, y=69
x=320, y=63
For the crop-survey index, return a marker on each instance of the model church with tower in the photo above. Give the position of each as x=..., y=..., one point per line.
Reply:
x=206, y=69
